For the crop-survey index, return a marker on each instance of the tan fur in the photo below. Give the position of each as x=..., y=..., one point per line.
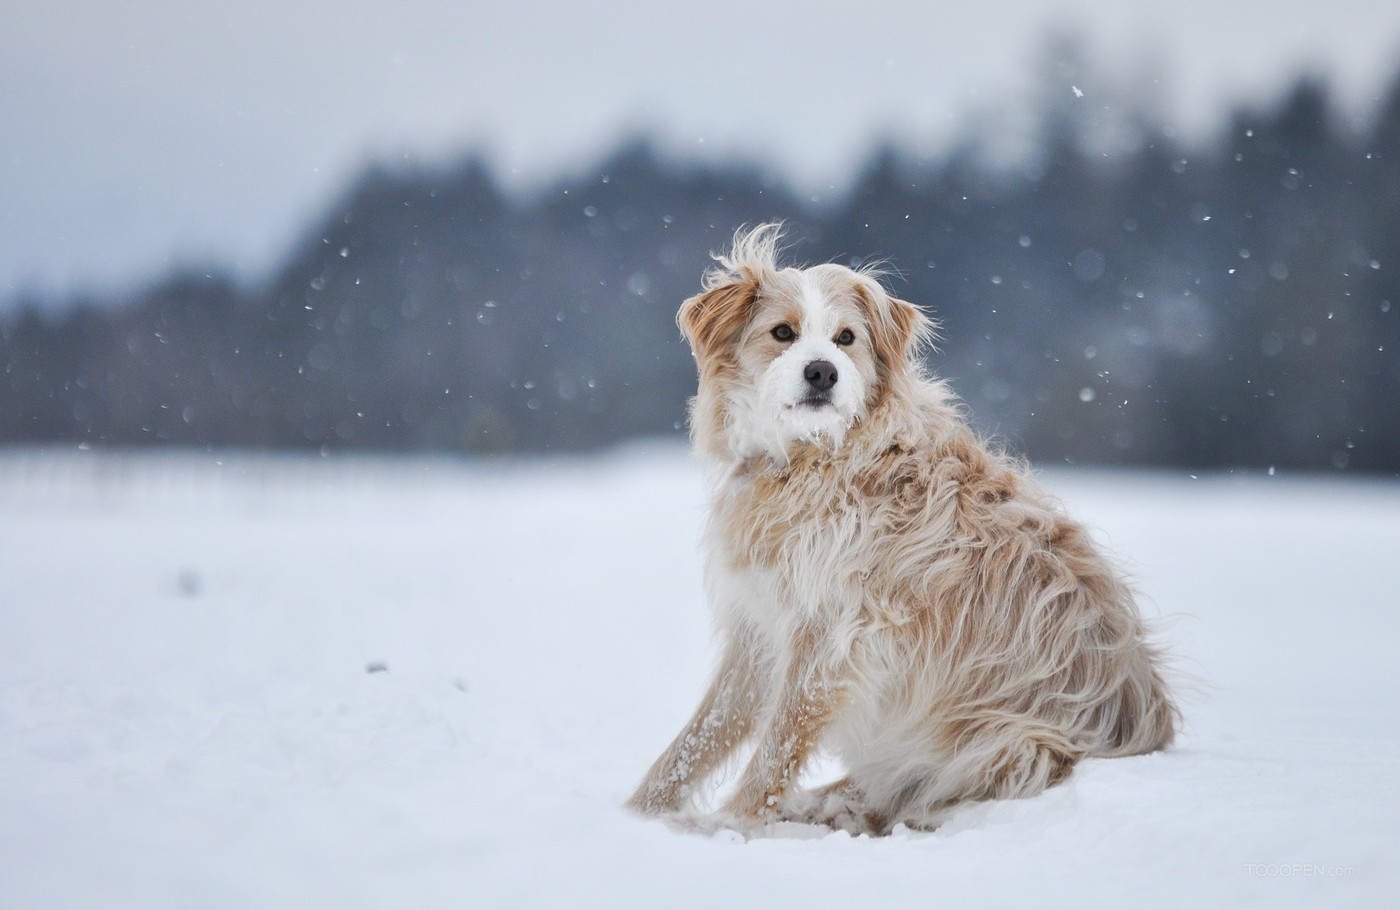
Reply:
x=890, y=589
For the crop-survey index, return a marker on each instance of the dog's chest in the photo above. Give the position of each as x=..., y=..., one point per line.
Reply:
x=800, y=543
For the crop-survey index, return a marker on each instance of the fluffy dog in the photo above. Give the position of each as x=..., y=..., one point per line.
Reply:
x=886, y=586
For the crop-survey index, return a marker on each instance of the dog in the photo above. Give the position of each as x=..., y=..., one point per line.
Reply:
x=888, y=588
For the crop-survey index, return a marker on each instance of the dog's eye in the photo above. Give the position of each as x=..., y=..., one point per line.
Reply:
x=784, y=332
x=846, y=337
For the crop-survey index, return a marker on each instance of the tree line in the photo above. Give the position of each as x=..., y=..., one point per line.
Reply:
x=1115, y=295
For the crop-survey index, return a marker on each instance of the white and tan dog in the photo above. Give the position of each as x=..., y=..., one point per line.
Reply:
x=886, y=586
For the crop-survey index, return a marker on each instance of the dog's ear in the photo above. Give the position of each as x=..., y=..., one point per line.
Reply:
x=713, y=320
x=898, y=330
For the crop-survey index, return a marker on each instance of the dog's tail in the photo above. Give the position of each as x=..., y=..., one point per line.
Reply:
x=1144, y=716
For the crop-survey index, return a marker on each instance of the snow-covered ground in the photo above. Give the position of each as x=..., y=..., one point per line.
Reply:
x=279, y=682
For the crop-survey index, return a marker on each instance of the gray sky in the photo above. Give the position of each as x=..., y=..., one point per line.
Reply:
x=137, y=133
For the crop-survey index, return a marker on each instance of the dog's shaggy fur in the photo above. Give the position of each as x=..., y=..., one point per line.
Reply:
x=887, y=587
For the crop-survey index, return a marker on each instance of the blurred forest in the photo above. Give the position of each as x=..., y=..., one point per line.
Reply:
x=1111, y=296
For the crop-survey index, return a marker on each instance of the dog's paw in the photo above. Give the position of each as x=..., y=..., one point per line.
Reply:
x=839, y=806
x=656, y=798
x=855, y=821
x=801, y=806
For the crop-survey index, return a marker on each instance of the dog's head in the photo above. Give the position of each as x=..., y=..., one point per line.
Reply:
x=788, y=355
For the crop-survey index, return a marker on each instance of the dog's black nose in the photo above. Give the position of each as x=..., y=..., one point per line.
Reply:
x=820, y=375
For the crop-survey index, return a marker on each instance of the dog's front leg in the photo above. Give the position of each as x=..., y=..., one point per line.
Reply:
x=809, y=696
x=724, y=720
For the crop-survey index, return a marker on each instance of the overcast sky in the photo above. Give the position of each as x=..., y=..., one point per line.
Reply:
x=137, y=134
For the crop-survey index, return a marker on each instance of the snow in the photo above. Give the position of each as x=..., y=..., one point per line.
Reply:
x=262, y=681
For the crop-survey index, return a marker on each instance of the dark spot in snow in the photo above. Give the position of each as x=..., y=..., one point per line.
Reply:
x=188, y=582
